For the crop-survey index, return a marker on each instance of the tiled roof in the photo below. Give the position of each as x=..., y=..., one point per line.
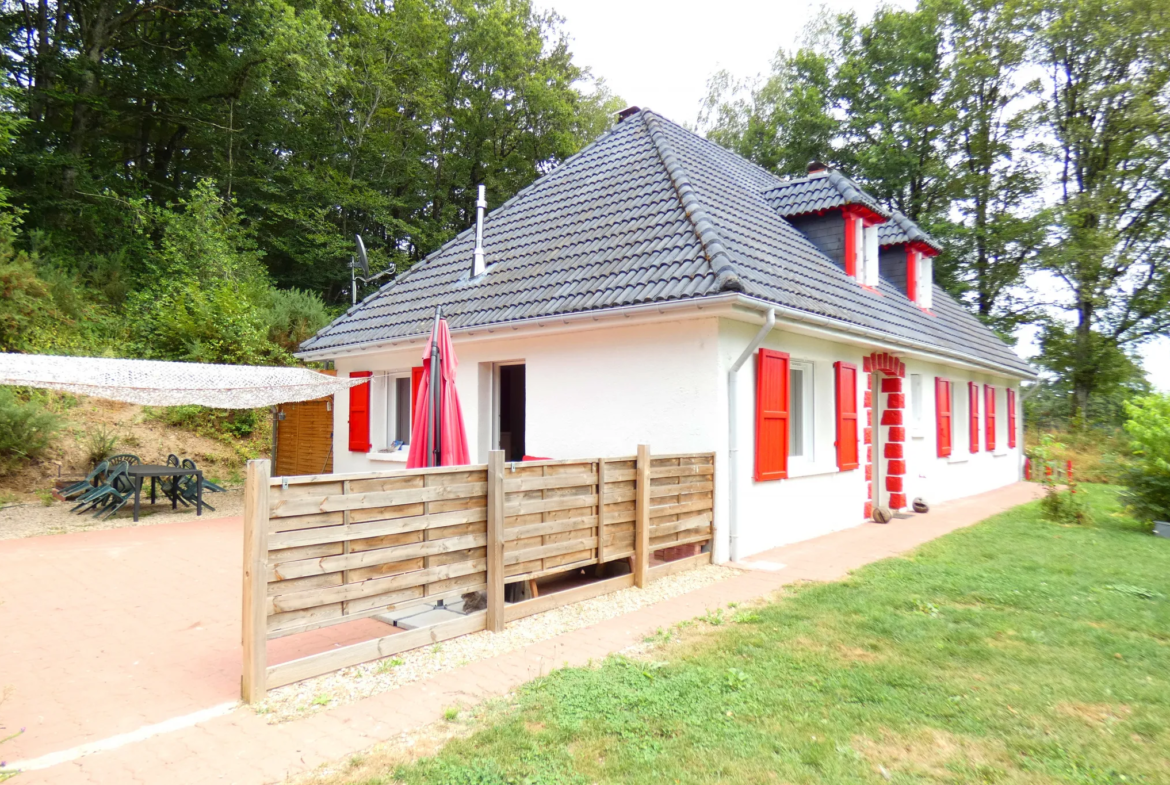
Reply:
x=824, y=190
x=648, y=213
x=900, y=229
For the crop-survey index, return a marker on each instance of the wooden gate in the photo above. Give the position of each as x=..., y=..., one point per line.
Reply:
x=303, y=438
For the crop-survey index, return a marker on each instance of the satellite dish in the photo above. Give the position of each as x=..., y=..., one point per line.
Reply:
x=362, y=259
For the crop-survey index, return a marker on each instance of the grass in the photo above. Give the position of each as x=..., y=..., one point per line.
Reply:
x=1016, y=651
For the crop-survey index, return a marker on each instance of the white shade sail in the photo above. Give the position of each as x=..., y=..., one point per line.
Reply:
x=159, y=383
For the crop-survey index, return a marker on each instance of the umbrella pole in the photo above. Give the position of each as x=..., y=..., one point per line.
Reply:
x=436, y=397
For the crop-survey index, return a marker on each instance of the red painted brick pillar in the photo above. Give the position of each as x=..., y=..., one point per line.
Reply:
x=894, y=450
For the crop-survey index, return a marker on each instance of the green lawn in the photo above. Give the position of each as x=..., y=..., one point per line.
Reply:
x=1015, y=651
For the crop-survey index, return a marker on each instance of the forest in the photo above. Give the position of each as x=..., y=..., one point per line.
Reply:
x=183, y=181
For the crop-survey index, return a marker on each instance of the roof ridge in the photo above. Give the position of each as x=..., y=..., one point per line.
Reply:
x=726, y=277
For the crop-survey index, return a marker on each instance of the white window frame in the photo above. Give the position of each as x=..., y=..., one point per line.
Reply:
x=807, y=369
x=960, y=422
x=925, y=280
x=386, y=399
x=869, y=255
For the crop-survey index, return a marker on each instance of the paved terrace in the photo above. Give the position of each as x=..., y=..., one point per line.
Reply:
x=107, y=633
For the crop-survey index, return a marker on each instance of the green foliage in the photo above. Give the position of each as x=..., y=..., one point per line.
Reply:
x=1040, y=657
x=1062, y=505
x=27, y=429
x=1148, y=477
x=99, y=443
x=319, y=119
x=293, y=316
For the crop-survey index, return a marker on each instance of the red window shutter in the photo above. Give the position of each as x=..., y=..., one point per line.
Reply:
x=1011, y=413
x=989, y=414
x=973, y=431
x=416, y=375
x=912, y=274
x=942, y=415
x=851, y=249
x=847, y=447
x=359, y=414
x=771, y=415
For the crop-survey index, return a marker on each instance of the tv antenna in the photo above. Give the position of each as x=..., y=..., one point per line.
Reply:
x=363, y=261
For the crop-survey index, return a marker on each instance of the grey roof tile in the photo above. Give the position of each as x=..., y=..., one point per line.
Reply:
x=651, y=212
x=824, y=190
x=900, y=229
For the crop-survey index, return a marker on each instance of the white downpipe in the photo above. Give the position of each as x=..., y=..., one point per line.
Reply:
x=733, y=432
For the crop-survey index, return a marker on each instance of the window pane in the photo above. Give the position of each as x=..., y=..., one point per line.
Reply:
x=796, y=411
x=402, y=409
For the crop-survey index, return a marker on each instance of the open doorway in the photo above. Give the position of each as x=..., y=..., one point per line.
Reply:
x=510, y=411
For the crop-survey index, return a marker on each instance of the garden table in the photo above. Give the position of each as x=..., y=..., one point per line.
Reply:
x=154, y=471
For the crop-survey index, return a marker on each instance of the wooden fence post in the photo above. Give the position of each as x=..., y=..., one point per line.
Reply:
x=253, y=683
x=495, y=541
x=642, y=517
x=600, y=512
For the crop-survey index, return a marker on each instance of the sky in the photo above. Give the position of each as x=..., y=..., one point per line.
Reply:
x=659, y=55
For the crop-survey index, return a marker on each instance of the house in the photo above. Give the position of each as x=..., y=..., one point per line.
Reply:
x=657, y=288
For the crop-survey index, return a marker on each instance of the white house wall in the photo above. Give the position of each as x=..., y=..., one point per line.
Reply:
x=601, y=390
x=817, y=498
x=592, y=392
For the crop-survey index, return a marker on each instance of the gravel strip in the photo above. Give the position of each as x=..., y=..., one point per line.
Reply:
x=362, y=681
x=33, y=520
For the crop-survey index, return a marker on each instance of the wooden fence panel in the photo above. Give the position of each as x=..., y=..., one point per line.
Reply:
x=328, y=549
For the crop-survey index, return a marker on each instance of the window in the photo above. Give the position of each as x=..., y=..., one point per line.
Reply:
x=916, y=402
x=989, y=415
x=402, y=409
x=869, y=258
x=800, y=408
x=359, y=414
x=958, y=416
x=1011, y=413
x=846, y=394
x=771, y=415
x=973, y=429
x=924, y=281
x=942, y=414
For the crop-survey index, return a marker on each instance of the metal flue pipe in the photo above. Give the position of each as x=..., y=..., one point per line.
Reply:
x=477, y=264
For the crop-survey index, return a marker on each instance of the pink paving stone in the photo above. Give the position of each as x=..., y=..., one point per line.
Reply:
x=242, y=748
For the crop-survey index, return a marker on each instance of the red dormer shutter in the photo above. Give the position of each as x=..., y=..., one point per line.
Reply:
x=359, y=414
x=1011, y=413
x=847, y=446
x=973, y=429
x=852, y=248
x=912, y=274
x=942, y=416
x=989, y=414
x=771, y=415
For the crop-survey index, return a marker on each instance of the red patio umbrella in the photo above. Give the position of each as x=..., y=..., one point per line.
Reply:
x=437, y=435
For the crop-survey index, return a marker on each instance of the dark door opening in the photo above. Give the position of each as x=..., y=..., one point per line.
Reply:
x=512, y=411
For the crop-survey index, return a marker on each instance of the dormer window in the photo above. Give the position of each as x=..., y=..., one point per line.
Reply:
x=861, y=246
x=920, y=276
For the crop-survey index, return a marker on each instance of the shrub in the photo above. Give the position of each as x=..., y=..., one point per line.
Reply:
x=294, y=316
x=1059, y=505
x=26, y=429
x=99, y=444
x=1147, y=478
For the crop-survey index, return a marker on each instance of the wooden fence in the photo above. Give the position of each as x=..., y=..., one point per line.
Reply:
x=327, y=549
